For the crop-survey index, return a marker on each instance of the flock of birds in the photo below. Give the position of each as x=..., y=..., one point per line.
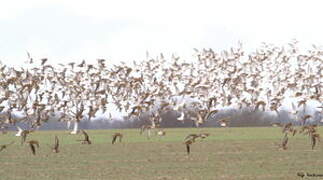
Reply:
x=55, y=147
x=261, y=81
x=287, y=129
x=310, y=130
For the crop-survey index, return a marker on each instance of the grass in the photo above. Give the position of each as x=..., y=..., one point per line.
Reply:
x=229, y=153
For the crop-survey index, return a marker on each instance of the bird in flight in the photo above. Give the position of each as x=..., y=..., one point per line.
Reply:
x=314, y=138
x=32, y=146
x=86, y=139
x=188, y=145
x=284, y=142
x=115, y=136
x=4, y=146
x=55, y=148
x=23, y=134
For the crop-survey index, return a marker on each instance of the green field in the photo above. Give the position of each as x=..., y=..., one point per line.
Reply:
x=229, y=153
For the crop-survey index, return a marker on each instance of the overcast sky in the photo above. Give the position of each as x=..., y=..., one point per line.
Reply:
x=72, y=30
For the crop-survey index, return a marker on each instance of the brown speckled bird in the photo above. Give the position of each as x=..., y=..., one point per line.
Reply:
x=115, y=136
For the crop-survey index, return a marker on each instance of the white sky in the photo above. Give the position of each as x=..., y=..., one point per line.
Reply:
x=72, y=30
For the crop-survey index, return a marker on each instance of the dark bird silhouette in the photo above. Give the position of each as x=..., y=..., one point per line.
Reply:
x=32, y=144
x=56, y=145
x=115, y=136
x=188, y=145
x=43, y=61
x=86, y=139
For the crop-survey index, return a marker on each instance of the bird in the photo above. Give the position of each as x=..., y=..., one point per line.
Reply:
x=213, y=78
x=115, y=136
x=19, y=131
x=224, y=122
x=23, y=134
x=260, y=103
x=191, y=137
x=3, y=129
x=305, y=118
x=32, y=144
x=86, y=139
x=4, y=146
x=43, y=61
x=188, y=145
x=181, y=117
x=276, y=124
x=147, y=128
x=161, y=133
x=211, y=113
x=287, y=127
x=314, y=138
x=55, y=148
x=293, y=130
x=204, y=135
x=284, y=142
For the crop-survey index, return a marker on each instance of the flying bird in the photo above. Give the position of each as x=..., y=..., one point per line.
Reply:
x=4, y=146
x=314, y=138
x=23, y=134
x=32, y=144
x=115, y=136
x=161, y=133
x=191, y=137
x=43, y=61
x=204, y=135
x=224, y=122
x=86, y=139
x=284, y=142
x=188, y=145
x=55, y=148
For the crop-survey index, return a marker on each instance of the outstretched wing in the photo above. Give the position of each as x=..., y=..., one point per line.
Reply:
x=19, y=131
x=56, y=145
x=211, y=113
x=86, y=136
x=114, y=139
